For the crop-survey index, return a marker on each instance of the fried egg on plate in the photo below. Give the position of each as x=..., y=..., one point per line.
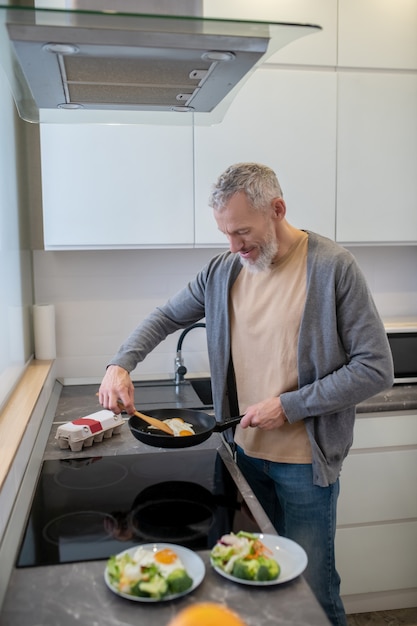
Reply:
x=166, y=559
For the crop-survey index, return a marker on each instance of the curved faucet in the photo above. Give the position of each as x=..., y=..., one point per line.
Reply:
x=180, y=369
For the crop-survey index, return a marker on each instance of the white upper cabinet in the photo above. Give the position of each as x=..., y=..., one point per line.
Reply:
x=333, y=113
x=110, y=186
x=285, y=119
x=319, y=48
x=378, y=34
x=377, y=158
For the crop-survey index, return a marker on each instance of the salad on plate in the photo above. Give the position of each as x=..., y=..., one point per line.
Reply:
x=243, y=555
x=152, y=574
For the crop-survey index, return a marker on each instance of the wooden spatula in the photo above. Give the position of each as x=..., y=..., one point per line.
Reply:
x=151, y=420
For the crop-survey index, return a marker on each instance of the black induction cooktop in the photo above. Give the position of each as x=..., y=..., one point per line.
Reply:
x=89, y=508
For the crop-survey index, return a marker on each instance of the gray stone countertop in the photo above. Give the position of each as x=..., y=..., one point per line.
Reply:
x=62, y=595
x=396, y=398
x=80, y=400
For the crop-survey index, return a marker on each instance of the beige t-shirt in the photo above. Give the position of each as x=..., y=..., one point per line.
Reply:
x=266, y=310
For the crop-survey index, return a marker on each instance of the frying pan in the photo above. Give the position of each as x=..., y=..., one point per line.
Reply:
x=203, y=424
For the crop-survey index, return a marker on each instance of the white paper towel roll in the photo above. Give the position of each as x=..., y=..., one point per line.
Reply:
x=44, y=330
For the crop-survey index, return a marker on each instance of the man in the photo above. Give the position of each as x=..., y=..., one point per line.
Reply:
x=291, y=322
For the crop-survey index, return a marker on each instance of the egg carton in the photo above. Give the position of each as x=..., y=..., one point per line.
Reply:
x=85, y=431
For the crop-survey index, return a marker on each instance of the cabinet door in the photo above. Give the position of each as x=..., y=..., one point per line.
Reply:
x=378, y=33
x=109, y=186
x=285, y=119
x=378, y=473
x=377, y=508
x=319, y=48
x=377, y=157
x=377, y=558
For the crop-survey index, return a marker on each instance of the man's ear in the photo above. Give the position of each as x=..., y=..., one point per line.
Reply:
x=279, y=207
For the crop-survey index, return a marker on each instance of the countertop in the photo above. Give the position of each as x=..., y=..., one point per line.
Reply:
x=396, y=398
x=80, y=400
x=67, y=594
x=77, y=400
x=64, y=594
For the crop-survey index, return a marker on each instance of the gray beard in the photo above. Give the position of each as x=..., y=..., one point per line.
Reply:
x=265, y=259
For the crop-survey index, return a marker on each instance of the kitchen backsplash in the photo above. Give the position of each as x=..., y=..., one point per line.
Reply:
x=100, y=296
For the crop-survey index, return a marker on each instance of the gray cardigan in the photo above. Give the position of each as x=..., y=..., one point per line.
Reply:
x=343, y=352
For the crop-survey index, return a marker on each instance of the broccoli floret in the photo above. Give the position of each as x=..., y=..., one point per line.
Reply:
x=260, y=569
x=268, y=569
x=178, y=581
x=155, y=588
x=245, y=568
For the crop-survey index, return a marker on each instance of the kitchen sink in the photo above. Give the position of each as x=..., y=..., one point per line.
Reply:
x=192, y=393
x=202, y=387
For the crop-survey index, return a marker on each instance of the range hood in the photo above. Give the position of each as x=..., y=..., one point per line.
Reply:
x=113, y=67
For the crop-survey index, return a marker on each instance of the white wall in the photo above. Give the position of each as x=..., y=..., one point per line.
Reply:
x=100, y=296
x=15, y=257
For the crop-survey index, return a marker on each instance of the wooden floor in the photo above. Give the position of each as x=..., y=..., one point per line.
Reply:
x=400, y=617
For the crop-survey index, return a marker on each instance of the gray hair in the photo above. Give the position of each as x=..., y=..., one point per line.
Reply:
x=258, y=182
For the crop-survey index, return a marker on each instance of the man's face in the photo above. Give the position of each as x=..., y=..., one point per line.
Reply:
x=251, y=233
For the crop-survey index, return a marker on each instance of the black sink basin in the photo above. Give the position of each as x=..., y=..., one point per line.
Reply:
x=165, y=393
x=202, y=387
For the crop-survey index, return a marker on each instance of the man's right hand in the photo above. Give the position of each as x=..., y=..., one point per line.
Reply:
x=117, y=385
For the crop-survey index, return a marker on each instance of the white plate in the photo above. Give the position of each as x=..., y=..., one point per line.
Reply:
x=193, y=565
x=290, y=556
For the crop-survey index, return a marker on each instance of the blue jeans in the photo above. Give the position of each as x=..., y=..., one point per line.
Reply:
x=304, y=513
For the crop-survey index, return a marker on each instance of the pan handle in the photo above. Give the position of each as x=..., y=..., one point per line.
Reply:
x=230, y=421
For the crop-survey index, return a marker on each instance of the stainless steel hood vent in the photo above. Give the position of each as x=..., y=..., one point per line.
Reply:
x=98, y=66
